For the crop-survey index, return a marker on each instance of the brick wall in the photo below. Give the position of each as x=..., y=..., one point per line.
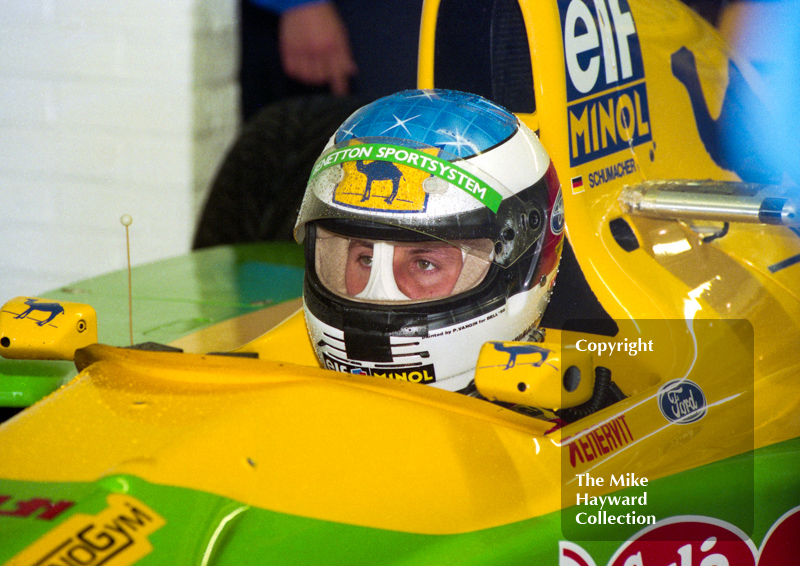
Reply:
x=108, y=108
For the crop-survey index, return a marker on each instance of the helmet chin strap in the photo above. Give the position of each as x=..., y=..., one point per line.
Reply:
x=381, y=285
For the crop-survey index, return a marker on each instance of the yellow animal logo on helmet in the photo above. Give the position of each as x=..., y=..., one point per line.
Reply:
x=382, y=185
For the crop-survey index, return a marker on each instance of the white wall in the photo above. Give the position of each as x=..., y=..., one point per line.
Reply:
x=108, y=108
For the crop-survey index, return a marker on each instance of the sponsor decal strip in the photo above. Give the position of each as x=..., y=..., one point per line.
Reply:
x=612, y=172
x=695, y=539
x=43, y=509
x=420, y=160
x=607, y=106
x=599, y=441
x=420, y=374
x=120, y=532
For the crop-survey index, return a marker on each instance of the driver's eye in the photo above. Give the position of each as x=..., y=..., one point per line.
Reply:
x=425, y=265
x=365, y=260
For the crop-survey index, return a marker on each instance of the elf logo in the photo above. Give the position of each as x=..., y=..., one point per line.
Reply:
x=606, y=92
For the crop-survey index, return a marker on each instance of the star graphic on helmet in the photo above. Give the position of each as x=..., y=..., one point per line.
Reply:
x=350, y=132
x=400, y=124
x=428, y=94
x=458, y=143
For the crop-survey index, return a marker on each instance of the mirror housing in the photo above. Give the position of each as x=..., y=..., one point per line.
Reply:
x=35, y=328
x=536, y=374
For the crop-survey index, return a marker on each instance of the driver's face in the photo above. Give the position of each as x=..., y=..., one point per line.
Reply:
x=422, y=270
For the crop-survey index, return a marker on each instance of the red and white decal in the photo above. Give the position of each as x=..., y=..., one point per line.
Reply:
x=699, y=541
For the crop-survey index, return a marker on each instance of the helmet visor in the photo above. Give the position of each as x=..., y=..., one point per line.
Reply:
x=381, y=271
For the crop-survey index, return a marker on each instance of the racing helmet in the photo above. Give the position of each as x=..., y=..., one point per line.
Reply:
x=432, y=222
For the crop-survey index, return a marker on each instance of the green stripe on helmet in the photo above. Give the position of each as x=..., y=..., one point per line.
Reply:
x=417, y=159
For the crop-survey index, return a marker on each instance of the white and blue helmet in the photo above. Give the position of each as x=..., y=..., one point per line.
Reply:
x=432, y=223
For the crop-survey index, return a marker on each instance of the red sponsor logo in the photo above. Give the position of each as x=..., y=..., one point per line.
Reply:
x=43, y=509
x=599, y=441
x=699, y=541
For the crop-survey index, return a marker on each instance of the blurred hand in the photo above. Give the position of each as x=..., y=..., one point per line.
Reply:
x=315, y=48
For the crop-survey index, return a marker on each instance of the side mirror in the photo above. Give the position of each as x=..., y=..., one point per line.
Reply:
x=544, y=375
x=40, y=329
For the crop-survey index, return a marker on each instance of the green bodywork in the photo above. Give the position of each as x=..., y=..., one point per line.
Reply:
x=171, y=298
x=203, y=528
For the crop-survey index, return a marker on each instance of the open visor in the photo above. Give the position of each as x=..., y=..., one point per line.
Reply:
x=381, y=271
x=428, y=191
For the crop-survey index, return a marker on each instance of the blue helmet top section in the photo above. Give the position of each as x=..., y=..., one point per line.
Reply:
x=459, y=123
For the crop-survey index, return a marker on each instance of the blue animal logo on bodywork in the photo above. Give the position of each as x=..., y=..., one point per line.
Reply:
x=516, y=350
x=681, y=401
x=50, y=308
x=735, y=140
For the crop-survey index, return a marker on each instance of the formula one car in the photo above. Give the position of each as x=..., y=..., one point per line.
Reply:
x=678, y=283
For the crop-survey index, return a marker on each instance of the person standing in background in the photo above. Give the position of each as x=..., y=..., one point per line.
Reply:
x=291, y=48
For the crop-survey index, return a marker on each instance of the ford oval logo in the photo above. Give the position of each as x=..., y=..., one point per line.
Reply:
x=682, y=401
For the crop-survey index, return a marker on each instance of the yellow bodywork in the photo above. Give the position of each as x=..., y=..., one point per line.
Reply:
x=283, y=434
x=545, y=375
x=649, y=282
x=294, y=439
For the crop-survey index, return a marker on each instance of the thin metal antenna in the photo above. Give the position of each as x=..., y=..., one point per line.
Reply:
x=126, y=221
